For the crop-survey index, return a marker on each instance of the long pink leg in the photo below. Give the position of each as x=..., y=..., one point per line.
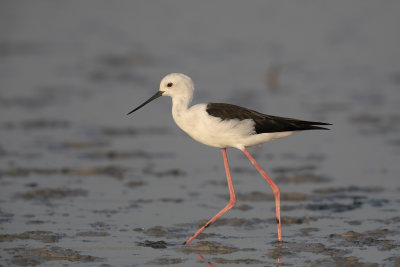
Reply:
x=275, y=189
x=232, y=199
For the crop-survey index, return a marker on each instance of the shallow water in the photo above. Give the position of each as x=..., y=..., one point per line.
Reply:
x=82, y=183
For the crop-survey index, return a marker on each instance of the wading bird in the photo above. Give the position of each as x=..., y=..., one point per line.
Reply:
x=223, y=126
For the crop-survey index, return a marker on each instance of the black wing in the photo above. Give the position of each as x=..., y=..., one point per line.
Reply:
x=263, y=123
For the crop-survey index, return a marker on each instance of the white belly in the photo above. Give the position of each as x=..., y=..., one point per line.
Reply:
x=213, y=131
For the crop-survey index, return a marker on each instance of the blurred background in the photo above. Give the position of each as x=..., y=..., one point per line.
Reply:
x=71, y=70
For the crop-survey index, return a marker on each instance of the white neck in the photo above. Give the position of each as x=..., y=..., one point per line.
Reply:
x=180, y=103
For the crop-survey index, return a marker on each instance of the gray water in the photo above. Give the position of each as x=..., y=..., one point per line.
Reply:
x=84, y=184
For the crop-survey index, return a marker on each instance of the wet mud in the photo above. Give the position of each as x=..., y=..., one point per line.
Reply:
x=82, y=183
x=37, y=256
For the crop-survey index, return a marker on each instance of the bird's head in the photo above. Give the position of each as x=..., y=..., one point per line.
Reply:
x=175, y=85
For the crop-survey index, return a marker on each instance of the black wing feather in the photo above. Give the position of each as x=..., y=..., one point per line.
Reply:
x=263, y=123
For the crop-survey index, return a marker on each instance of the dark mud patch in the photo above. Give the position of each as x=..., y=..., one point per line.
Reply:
x=302, y=178
x=93, y=234
x=355, y=222
x=36, y=256
x=131, y=131
x=36, y=222
x=244, y=207
x=393, y=260
x=294, y=170
x=260, y=196
x=38, y=100
x=118, y=67
x=100, y=226
x=342, y=199
x=43, y=236
x=207, y=247
x=311, y=157
x=245, y=261
x=174, y=172
x=286, y=220
x=113, y=154
x=342, y=261
x=375, y=238
x=334, y=207
x=243, y=170
x=156, y=231
x=299, y=174
x=308, y=230
x=113, y=171
x=134, y=184
x=376, y=124
x=127, y=60
x=330, y=107
x=153, y=244
x=235, y=222
x=292, y=249
x=392, y=220
x=160, y=231
x=349, y=189
x=180, y=232
x=52, y=193
x=166, y=261
x=5, y=216
x=107, y=212
x=36, y=124
x=291, y=207
x=19, y=48
x=18, y=154
x=171, y=200
x=82, y=144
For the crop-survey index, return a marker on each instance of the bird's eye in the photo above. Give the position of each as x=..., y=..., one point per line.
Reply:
x=169, y=84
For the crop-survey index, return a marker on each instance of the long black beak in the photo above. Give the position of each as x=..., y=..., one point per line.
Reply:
x=157, y=95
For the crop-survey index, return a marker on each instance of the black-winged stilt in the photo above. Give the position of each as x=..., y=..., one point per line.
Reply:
x=225, y=125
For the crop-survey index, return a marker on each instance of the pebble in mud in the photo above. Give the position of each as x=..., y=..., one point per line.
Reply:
x=207, y=247
x=34, y=256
